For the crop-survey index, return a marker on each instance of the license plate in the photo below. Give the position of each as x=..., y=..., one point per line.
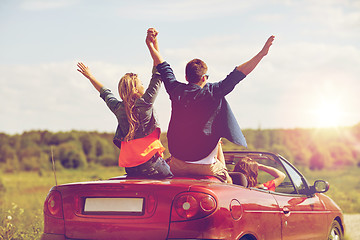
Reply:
x=127, y=206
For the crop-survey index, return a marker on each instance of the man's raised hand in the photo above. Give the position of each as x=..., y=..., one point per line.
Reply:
x=264, y=51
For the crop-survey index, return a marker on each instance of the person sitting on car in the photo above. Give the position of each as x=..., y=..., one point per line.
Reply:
x=138, y=130
x=200, y=114
x=250, y=167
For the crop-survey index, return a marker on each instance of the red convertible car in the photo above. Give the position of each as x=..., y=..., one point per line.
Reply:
x=195, y=207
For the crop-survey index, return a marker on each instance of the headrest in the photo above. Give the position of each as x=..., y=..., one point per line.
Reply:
x=239, y=178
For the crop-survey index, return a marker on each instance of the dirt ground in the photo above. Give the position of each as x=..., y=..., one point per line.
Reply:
x=352, y=224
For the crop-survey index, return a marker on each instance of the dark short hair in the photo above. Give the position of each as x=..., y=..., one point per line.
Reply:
x=194, y=70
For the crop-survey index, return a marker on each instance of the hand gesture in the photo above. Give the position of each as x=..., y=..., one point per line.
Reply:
x=84, y=70
x=264, y=51
x=151, y=37
x=152, y=44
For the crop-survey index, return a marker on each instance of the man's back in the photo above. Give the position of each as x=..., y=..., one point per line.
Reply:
x=200, y=115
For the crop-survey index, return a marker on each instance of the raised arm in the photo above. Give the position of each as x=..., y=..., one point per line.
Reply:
x=152, y=44
x=277, y=174
x=167, y=74
x=84, y=70
x=250, y=65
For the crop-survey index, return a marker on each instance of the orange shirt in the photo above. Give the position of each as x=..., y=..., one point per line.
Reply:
x=270, y=185
x=139, y=151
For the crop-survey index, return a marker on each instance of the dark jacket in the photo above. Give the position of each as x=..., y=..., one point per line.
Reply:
x=200, y=116
x=146, y=115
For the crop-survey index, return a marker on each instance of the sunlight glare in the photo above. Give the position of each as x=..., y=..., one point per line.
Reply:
x=328, y=114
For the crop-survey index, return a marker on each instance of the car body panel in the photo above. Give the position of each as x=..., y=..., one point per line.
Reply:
x=307, y=212
x=257, y=212
x=238, y=211
x=93, y=226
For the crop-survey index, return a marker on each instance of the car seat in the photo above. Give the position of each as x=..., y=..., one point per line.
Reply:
x=239, y=178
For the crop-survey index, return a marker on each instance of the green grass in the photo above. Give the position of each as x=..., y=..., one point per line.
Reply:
x=22, y=194
x=344, y=186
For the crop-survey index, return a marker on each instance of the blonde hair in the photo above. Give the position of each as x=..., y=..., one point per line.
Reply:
x=129, y=93
x=248, y=167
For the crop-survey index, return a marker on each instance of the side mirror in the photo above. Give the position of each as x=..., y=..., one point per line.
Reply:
x=320, y=186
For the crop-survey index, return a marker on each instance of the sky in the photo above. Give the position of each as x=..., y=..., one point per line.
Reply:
x=309, y=79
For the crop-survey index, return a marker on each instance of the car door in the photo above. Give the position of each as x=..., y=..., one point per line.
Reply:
x=303, y=216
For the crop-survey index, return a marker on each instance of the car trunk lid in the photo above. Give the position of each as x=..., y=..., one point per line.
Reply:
x=117, y=209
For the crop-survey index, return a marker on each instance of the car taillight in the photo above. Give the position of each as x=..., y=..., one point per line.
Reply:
x=151, y=204
x=192, y=205
x=53, y=204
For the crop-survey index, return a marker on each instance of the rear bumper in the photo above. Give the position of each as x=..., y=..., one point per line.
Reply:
x=49, y=236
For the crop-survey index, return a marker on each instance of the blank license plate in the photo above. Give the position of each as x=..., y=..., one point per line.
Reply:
x=114, y=205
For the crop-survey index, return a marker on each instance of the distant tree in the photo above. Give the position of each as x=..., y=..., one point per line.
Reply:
x=70, y=156
x=46, y=137
x=86, y=143
x=106, y=151
x=341, y=154
x=274, y=137
x=261, y=139
x=317, y=161
x=33, y=158
x=61, y=137
x=4, y=139
x=249, y=135
x=99, y=148
x=229, y=146
x=74, y=159
x=15, y=141
x=314, y=148
x=302, y=156
x=7, y=153
x=30, y=139
x=8, y=158
x=320, y=158
x=356, y=131
x=283, y=151
x=108, y=160
x=2, y=188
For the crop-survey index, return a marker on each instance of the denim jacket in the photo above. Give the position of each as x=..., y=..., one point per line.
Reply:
x=146, y=115
x=200, y=116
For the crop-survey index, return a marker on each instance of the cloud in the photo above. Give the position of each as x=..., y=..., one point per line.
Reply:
x=55, y=96
x=184, y=10
x=338, y=19
x=315, y=54
x=286, y=83
x=41, y=5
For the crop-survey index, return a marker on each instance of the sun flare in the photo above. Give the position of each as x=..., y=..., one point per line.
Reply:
x=328, y=114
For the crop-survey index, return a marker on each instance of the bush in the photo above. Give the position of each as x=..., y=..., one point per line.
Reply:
x=2, y=187
x=33, y=158
x=108, y=160
x=71, y=157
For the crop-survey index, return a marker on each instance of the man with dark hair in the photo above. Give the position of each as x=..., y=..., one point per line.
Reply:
x=200, y=114
x=194, y=70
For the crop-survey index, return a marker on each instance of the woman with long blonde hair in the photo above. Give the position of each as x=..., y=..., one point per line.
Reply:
x=138, y=131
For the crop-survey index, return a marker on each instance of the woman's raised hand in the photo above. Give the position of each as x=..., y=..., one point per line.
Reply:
x=84, y=70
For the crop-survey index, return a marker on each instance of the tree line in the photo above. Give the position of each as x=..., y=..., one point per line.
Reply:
x=312, y=148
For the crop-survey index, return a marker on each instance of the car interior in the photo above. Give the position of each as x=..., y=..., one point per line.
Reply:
x=294, y=183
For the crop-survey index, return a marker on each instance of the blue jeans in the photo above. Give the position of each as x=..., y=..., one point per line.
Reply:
x=155, y=168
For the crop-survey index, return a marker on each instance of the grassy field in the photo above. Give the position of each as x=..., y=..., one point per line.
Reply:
x=344, y=186
x=22, y=195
